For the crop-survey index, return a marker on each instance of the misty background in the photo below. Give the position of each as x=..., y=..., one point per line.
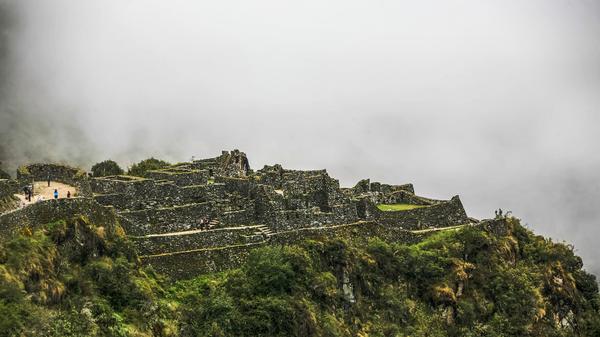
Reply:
x=497, y=101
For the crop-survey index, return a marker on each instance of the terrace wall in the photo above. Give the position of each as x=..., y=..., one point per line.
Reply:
x=185, y=265
x=152, y=245
x=181, y=178
x=444, y=214
x=166, y=220
x=137, y=194
x=44, y=212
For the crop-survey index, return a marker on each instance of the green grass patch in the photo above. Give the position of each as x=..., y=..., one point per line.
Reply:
x=398, y=207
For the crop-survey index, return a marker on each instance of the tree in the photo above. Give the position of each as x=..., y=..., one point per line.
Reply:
x=106, y=168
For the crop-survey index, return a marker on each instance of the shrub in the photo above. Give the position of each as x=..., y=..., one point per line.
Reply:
x=106, y=168
x=4, y=175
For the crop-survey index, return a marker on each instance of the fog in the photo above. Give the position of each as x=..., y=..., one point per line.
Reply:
x=497, y=101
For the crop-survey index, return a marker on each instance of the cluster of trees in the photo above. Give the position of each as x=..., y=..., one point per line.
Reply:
x=459, y=283
x=106, y=168
x=146, y=165
x=111, y=168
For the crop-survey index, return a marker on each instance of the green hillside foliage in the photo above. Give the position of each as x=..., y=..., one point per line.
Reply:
x=3, y=174
x=106, y=168
x=146, y=165
x=76, y=279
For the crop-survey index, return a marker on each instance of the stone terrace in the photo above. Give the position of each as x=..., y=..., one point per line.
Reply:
x=221, y=203
x=210, y=212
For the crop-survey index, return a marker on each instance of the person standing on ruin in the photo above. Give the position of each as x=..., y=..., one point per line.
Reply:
x=48, y=179
x=68, y=194
x=55, y=194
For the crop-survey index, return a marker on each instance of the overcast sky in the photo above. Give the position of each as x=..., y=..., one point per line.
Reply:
x=498, y=101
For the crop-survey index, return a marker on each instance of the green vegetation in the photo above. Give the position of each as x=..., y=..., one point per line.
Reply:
x=3, y=174
x=106, y=168
x=76, y=279
x=398, y=207
x=8, y=203
x=146, y=165
x=23, y=171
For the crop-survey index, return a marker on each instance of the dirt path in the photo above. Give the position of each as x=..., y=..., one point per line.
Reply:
x=41, y=191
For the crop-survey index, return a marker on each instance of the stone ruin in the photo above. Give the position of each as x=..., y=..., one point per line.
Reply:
x=206, y=214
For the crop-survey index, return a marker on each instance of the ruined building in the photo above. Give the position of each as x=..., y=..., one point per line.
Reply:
x=206, y=214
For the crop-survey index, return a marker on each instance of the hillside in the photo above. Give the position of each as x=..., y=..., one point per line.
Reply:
x=213, y=248
x=73, y=278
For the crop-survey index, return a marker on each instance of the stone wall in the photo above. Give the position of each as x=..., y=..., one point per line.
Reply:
x=44, y=212
x=132, y=193
x=300, y=218
x=228, y=164
x=242, y=186
x=180, y=177
x=119, y=184
x=365, y=186
x=152, y=245
x=238, y=217
x=166, y=220
x=188, y=264
x=444, y=214
x=404, y=197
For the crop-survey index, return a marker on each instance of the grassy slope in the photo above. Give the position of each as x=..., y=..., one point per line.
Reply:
x=398, y=207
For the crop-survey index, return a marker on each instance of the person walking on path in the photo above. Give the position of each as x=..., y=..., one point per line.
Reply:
x=68, y=194
x=55, y=194
x=48, y=180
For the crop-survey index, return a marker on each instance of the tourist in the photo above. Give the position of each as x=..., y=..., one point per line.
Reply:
x=48, y=180
x=68, y=194
x=28, y=192
x=55, y=194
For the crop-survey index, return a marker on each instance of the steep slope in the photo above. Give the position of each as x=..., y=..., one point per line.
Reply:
x=74, y=278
